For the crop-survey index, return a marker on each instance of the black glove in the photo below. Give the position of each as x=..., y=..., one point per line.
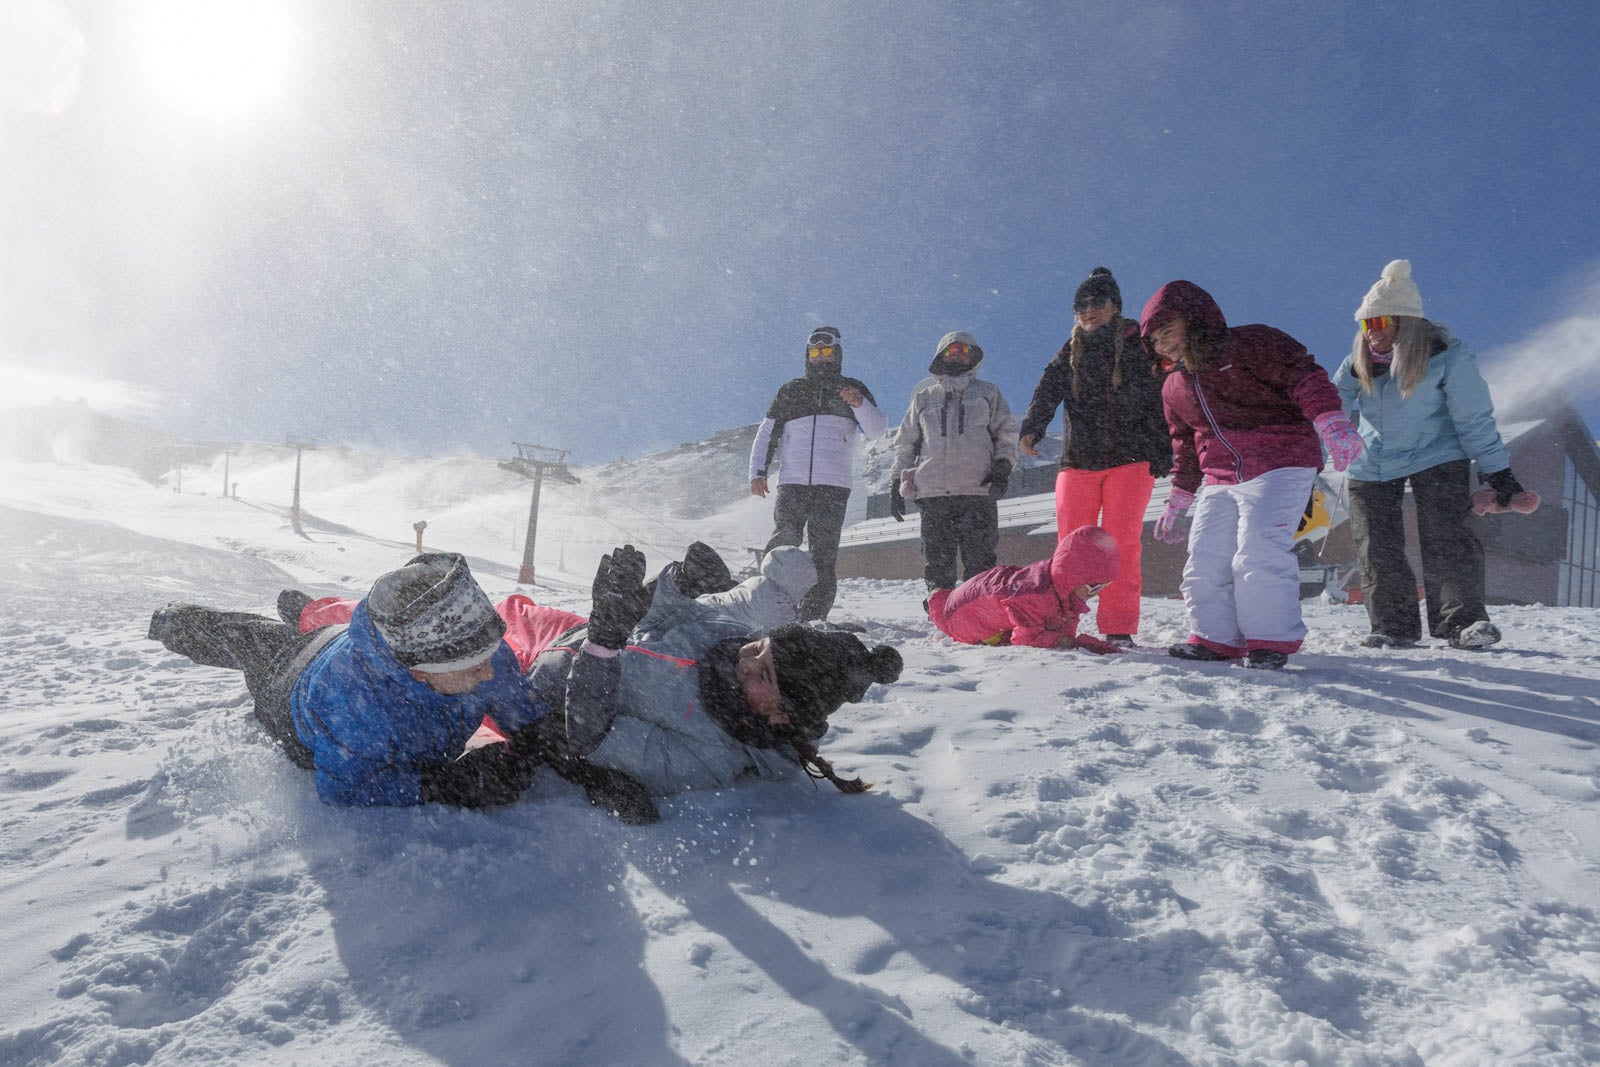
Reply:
x=613, y=791
x=997, y=478
x=703, y=571
x=620, y=599
x=1504, y=484
x=487, y=776
x=897, y=502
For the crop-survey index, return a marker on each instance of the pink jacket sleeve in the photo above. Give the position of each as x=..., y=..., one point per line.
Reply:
x=1038, y=621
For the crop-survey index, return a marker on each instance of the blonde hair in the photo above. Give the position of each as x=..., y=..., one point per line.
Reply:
x=1075, y=346
x=1414, y=341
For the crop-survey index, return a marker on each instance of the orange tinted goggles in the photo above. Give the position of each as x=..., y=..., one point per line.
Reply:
x=821, y=351
x=1382, y=322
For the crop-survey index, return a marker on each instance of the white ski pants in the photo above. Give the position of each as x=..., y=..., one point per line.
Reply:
x=1241, y=584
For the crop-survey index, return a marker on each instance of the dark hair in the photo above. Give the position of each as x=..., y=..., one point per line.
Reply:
x=725, y=702
x=819, y=768
x=1196, y=347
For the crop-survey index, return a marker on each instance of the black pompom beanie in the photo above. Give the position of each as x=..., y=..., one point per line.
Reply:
x=1098, y=284
x=818, y=670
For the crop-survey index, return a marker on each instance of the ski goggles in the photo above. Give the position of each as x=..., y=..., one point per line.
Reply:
x=821, y=351
x=1381, y=322
x=958, y=348
x=1092, y=589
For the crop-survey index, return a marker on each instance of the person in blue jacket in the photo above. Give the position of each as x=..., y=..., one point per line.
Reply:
x=382, y=709
x=1424, y=412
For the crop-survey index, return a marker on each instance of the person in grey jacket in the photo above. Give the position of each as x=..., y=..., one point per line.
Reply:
x=1424, y=412
x=696, y=693
x=954, y=451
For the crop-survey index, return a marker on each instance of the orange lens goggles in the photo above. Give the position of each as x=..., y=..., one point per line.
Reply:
x=821, y=351
x=1382, y=322
x=957, y=348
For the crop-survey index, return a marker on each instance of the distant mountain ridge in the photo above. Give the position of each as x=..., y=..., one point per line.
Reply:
x=698, y=482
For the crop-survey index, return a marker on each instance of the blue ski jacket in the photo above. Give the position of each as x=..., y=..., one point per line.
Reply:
x=373, y=729
x=1449, y=416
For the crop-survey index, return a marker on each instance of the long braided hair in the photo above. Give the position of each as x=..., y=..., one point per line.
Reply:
x=719, y=687
x=1076, y=346
x=819, y=768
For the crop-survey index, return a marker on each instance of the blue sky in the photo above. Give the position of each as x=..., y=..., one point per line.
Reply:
x=609, y=226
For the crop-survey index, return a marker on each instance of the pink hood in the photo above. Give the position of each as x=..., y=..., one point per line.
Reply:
x=1185, y=300
x=1086, y=556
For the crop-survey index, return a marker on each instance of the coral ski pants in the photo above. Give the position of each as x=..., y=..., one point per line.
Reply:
x=1114, y=500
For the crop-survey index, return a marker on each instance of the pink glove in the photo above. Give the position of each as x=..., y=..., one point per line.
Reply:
x=1483, y=503
x=1167, y=529
x=1097, y=646
x=1342, y=439
x=908, y=484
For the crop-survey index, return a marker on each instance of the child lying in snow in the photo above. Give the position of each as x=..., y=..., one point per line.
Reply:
x=1036, y=605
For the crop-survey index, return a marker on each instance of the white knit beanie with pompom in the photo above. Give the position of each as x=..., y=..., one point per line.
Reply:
x=1393, y=294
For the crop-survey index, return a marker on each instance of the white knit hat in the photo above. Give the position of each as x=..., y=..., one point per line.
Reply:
x=1392, y=294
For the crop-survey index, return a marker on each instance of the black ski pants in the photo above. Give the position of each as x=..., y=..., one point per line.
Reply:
x=815, y=512
x=1452, y=557
x=968, y=526
x=270, y=654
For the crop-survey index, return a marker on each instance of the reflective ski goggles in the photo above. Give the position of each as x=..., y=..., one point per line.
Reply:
x=1381, y=322
x=958, y=348
x=821, y=351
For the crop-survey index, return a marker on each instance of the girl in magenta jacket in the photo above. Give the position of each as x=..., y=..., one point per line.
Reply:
x=1037, y=605
x=1245, y=406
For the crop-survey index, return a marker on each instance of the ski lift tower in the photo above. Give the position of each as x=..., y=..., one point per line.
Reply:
x=536, y=461
x=299, y=444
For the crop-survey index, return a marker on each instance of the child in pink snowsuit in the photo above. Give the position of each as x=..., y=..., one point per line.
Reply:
x=1037, y=605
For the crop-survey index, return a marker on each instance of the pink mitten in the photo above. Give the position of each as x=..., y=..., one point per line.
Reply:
x=1523, y=503
x=1342, y=439
x=908, y=484
x=1097, y=646
x=1167, y=529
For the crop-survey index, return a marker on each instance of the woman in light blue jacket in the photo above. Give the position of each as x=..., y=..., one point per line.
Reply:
x=1424, y=411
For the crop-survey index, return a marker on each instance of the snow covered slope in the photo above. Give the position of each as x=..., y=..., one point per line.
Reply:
x=1364, y=859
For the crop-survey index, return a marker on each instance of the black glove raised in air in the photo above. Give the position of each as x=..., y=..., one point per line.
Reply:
x=620, y=599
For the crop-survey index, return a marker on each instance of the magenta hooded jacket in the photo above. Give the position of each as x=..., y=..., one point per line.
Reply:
x=1249, y=410
x=1030, y=605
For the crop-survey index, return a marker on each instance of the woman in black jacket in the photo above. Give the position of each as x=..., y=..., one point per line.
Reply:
x=1115, y=438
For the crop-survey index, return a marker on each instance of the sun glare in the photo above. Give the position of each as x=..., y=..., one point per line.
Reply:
x=217, y=57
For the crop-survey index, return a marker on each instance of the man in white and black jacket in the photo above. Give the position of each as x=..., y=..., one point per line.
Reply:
x=815, y=420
